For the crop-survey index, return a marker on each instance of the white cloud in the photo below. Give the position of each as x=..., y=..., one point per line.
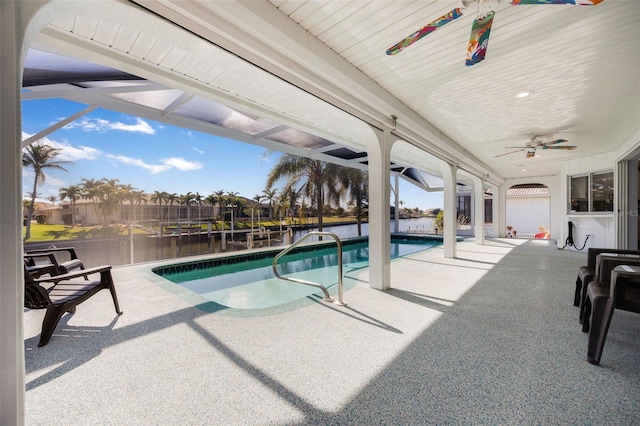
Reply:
x=199, y=151
x=128, y=161
x=182, y=164
x=67, y=151
x=54, y=181
x=165, y=163
x=101, y=125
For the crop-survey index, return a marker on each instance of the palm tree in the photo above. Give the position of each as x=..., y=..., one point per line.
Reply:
x=254, y=205
x=356, y=183
x=198, y=199
x=212, y=200
x=159, y=197
x=219, y=196
x=186, y=200
x=73, y=193
x=53, y=199
x=39, y=157
x=232, y=200
x=137, y=197
x=170, y=199
x=269, y=194
x=314, y=177
x=125, y=193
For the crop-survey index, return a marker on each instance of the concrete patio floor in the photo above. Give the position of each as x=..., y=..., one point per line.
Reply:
x=491, y=337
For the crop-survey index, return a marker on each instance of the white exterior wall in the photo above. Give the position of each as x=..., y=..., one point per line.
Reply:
x=527, y=214
x=556, y=197
x=600, y=226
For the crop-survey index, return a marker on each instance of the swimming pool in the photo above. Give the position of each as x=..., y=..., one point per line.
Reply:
x=246, y=281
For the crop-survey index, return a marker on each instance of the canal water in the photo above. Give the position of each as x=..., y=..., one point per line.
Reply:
x=139, y=249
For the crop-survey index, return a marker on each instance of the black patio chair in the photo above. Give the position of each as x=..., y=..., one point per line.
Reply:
x=59, y=260
x=587, y=273
x=65, y=293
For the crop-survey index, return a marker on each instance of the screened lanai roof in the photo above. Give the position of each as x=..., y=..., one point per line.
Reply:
x=51, y=75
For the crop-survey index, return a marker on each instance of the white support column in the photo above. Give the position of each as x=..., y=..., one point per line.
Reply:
x=449, y=172
x=379, y=215
x=12, y=367
x=478, y=207
x=495, y=210
x=396, y=204
x=500, y=198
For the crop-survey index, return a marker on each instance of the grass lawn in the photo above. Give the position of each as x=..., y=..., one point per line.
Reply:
x=63, y=232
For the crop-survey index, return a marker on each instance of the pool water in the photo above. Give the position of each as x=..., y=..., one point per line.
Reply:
x=251, y=284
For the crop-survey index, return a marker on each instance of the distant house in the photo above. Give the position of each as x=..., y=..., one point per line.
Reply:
x=39, y=211
x=87, y=214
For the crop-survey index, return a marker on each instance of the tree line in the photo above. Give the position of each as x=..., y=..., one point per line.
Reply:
x=301, y=180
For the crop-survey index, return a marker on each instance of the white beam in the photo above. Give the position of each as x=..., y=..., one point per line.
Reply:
x=28, y=141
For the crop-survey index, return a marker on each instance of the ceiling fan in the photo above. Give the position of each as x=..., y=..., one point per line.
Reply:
x=531, y=147
x=481, y=28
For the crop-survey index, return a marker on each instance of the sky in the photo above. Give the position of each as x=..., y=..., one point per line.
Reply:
x=153, y=156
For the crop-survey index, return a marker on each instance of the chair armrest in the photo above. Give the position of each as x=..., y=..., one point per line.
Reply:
x=607, y=264
x=48, y=254
x=70, y=250
x=70, y=275
x=626, y=271
x=593, y=252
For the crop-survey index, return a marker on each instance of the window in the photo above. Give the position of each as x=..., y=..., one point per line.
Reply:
x=579, y=195
x=591, y=193
x=602, y=192
x=464, y=206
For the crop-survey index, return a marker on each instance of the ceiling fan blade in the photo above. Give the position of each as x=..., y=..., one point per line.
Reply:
x=575, y=2
x=522, y=148
x=427, y=29
x=479, y=39
x=557, y=141
x=507, y=153
x=567, y=147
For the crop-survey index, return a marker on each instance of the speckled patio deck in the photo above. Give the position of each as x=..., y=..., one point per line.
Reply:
x=490, y=337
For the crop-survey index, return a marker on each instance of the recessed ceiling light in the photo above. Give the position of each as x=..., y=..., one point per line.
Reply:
x=523, y=170
x=524, y=94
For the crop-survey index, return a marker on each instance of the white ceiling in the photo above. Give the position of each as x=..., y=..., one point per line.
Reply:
x=582, y=64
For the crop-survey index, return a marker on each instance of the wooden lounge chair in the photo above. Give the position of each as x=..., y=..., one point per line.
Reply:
x=65, y=294
x=55, y=265
x=623, y=293
x=587, y=273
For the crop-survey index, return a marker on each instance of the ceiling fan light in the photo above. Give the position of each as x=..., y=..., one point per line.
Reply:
x=524, y=94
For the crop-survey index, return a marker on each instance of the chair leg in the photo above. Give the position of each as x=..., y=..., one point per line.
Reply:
x=107, y=280
x=585, y=319
x=576, y=296
x=583, y=297
x=51, y=319
x=600, y=319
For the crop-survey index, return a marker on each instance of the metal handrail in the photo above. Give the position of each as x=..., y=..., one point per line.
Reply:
x=327, y=297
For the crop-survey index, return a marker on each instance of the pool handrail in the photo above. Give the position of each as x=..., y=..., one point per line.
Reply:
x=327, y=297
